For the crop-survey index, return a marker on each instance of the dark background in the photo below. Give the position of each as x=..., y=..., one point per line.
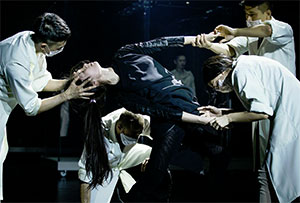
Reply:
x=99, y=28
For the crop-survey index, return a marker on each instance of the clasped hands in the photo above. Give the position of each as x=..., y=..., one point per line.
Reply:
x=219, y=122
x=205, y=40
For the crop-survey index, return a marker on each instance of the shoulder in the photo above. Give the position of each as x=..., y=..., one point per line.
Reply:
x=190, y=73
x=113, y=116
x=173, y=71
x=146, y=118
x=242, y=65
x=18, y=47
x=277, y=23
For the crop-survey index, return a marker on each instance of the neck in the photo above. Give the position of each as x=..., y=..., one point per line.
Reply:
x=37, y=48
x=228, y=77
x=109, y=76
x=180, y=70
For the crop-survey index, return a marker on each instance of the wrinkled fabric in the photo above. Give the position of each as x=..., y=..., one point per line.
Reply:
x=23, y=73
x=280, y=46
x=119, y=161
x=147, y=87
x=265, y=86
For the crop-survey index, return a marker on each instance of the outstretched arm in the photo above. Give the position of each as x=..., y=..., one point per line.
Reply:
x=261, y=30
x=55, y=85
x=203, y=41
x=141, y=105
x=151, y=46
x=238, y=117
x=73, y=92
x=191, y=118
x=193, y=40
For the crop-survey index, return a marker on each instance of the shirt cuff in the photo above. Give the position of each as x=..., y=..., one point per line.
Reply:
x=261, y=108
x=33, y=108
x=83, y=176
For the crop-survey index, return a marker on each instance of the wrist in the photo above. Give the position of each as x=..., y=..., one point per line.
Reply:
x=189, y=40
x=229, y=118
x=64, y=83
x=204, y=120
x=209, y=46
x=64, y=96
x=236, y=32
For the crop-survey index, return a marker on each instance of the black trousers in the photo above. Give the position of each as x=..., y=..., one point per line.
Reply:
x=167, y=139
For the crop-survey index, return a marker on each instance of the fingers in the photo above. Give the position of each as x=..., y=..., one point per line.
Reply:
x=214, y=124
x=75, y=80
x=78, y=72
x=218, y=124
x=85, y=95
x=211, y=36
x=205, y=108
x=200, y=41
x=223, y=41
x=143, y=167
x=144, y=164
x=79, y=91
x=205, y=114
x=201, y=108
x=88, y=88
x=85, y=82
x=218, y=29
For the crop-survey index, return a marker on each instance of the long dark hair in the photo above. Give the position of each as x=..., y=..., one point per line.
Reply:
x=97, y=163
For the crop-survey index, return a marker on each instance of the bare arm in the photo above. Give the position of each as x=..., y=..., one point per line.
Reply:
x=191, y=118
x=85, y=193
x=204, y=41
x=55, y=85
x=220, y=48
x=189, y=40
x=72, y=92
x=261, y=30
x=213, y=111
x=193, y=39
x=246, y=117
x=223, y=121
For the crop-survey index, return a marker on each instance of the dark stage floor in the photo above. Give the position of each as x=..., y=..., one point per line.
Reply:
x=30, y=178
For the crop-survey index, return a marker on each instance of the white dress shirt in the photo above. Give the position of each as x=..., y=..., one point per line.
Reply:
x=265, y=86
x=22, y=74
x=280, y=46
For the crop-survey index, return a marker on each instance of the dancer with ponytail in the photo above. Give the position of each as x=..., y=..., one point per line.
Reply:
x=110, y=146
x=142, y=85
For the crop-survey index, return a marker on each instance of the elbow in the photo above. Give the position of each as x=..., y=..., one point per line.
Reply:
x=116, y=79
x=262, y=116
x=231, y=52
x=265, y=116
x=31, y=113
x=33, y=108
x=267, y=30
